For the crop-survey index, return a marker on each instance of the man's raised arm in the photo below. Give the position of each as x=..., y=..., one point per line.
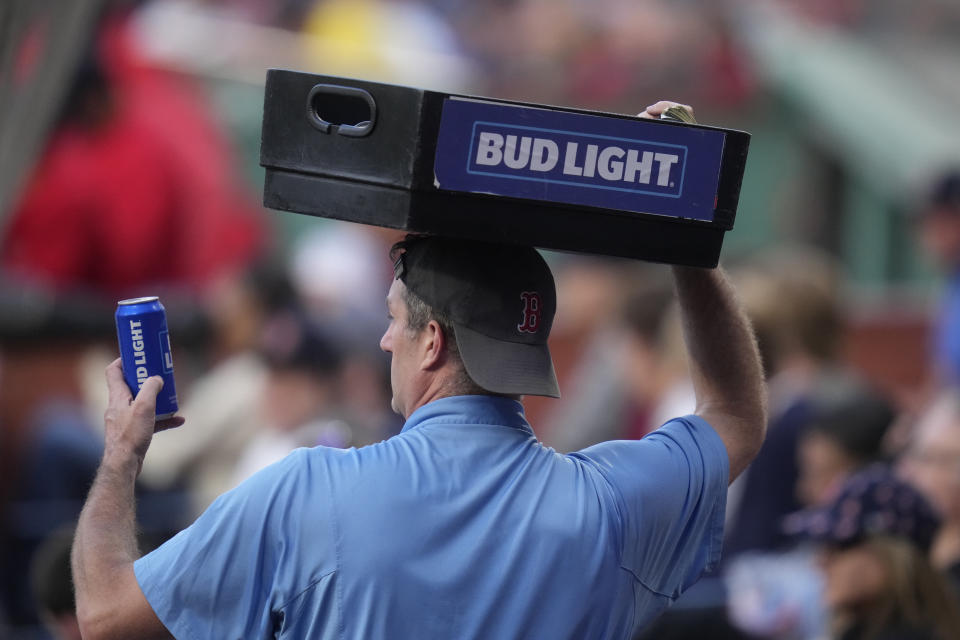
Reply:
x=110, y=603
x=724, y=362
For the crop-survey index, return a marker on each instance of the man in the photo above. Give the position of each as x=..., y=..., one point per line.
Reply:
x=463, y=525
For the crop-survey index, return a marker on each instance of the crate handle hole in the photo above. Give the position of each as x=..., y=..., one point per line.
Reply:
x=347, y=111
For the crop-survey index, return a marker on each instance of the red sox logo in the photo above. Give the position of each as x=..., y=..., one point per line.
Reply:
x=532, y=312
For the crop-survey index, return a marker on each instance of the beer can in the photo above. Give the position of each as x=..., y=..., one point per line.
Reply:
x=145, y=349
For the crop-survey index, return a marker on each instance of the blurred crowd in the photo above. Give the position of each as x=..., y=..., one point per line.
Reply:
x=848, y=523
x=592, y=53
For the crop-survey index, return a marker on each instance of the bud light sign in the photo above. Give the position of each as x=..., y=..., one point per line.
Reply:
x=591, y=160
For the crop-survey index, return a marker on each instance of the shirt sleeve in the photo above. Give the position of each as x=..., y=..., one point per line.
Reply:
x=670, y=490
x=229, y=574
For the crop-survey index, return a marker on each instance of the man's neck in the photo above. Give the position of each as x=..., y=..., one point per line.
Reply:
x=437, y=388
x=451, y=392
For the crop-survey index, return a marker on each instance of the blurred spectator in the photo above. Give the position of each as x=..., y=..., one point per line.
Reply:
x=404, y=40
x=136, y=186
x=51, y=583
x=298, y=400
x=339, y=269
x=342, y=273
x=939, y=229
x=655, y=366
x=933, y=465
x=777, y=596
x=874, y=538
x=59, y=461
x=363, y=389
x=222, y=407
x=845, y=434
x=791, y=297
x=632, y=375
x=50, y=450
x=283, y=13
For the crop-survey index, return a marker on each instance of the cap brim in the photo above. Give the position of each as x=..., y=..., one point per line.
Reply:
x=507, y=367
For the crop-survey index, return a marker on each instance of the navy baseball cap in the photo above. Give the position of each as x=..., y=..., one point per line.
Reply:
x=501, y=300
x=872, y=502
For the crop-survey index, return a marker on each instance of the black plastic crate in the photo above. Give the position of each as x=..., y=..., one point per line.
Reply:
x=462, y=166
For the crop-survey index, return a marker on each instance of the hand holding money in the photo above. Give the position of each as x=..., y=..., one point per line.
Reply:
x=667, y=110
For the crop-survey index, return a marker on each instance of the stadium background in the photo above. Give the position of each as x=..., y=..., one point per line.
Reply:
x=853, y=107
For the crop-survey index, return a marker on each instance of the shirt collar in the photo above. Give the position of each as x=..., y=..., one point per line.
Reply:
x=470, y=410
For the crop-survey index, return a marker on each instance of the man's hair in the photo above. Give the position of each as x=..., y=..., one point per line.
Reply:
x=419, y=315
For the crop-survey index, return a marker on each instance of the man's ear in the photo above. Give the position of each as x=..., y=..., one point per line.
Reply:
x=434, y=346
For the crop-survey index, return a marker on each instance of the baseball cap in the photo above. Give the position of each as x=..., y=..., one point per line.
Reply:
x=501, y=300
x=872, y=502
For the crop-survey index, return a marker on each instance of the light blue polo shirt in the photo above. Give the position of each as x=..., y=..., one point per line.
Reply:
x=461, y=526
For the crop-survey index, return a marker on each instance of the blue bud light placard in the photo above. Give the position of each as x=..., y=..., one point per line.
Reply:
x=591, y=160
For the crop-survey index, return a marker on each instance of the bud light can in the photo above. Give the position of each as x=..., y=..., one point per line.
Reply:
x=145, y=349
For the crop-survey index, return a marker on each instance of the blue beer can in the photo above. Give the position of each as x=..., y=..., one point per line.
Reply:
x=145, y=349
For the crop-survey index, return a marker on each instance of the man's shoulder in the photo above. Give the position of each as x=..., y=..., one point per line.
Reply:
x=685, y=431
x=335, y=460
x=300, y=467
x=679, y=442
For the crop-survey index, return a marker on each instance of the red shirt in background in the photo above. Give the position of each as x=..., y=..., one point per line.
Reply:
x=150, y=196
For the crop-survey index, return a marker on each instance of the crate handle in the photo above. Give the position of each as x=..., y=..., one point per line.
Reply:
x=348, y=111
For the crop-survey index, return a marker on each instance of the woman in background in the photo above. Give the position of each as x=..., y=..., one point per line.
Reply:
x=875, y=538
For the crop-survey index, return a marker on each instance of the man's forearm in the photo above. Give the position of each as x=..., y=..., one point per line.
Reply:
x=110, y=602
x=105, y=542
x=724, y=362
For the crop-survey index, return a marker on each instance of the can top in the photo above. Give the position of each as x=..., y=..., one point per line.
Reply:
x=139, y=300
